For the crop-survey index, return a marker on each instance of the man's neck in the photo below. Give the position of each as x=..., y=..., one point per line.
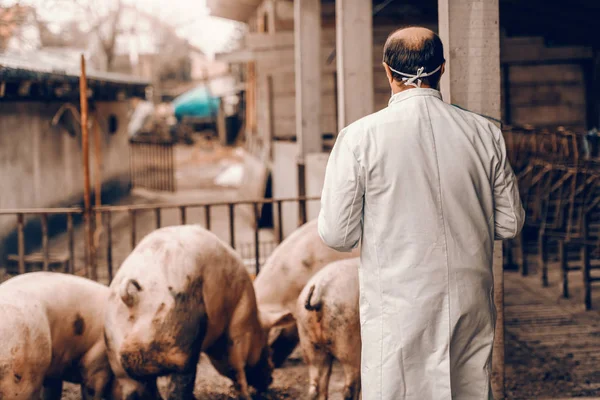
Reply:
x=397, y=88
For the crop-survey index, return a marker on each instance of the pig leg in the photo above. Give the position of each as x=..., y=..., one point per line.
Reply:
x=237, y=360
x=284, y=345
x=52, y=389
x=352, y=384
x=319, y=371
x=181, y=386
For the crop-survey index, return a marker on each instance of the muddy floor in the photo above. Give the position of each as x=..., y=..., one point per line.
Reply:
x=289, y=382
x=532, y=372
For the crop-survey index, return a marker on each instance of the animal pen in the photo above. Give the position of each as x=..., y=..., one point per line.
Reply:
x=558, y=185
x=560, y=192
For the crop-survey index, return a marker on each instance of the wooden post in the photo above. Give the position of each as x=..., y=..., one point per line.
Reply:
x=97, y=183
x=89, y=242
x=498, y=371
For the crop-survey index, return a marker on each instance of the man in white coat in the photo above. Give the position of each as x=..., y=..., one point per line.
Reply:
x=426, y=187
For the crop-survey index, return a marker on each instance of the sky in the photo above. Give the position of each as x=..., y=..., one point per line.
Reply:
x=190, y=17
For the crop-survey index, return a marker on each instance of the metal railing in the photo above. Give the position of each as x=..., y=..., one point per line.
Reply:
x=560, y=191
x=152, y=164
x=45, y=257
x=131, y=222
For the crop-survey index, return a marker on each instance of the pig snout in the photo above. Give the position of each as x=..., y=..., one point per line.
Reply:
x=259, y=376
x=156, y=359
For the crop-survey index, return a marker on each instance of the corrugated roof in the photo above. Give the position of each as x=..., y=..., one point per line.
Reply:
x=45, y=64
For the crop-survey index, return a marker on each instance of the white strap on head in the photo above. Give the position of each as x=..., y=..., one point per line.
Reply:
x=410, y=78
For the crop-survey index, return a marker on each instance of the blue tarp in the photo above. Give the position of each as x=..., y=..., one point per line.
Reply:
x=197, y=102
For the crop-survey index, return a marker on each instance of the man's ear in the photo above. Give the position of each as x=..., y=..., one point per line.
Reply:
x=443, y=69
x=388, y=73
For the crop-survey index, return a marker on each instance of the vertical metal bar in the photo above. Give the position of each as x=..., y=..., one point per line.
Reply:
x=71, y=235
x=168, y=165
x=21, y=238
x=85, y=144
x=156, y=161
x=150, y=184
x=207, y=216
x=543, y=249
x=139, y=164
x=182, y=214
x=256, y=238
x=232, y=224
x=132, y=219
x=498, y=371
x=279, y=221
x=165, y=170
x=335, y=96
x=144, y=166
x=45, y=251
x=131, y=179
x=149, y=166
x=172, y=167
x=563, y=259
x=301, y=194
x=161, y=166
x=153, y=174
x=157, y=216
x=109, y=255
x=587, y=278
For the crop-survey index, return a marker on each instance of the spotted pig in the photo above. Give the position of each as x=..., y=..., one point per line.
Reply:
x=51, y=330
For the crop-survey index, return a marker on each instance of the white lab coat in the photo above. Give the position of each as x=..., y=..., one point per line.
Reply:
x=426, y=187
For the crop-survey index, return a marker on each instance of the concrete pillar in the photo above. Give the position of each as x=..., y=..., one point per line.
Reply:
x=307, y=38
x=354, y=56
x=470, y=32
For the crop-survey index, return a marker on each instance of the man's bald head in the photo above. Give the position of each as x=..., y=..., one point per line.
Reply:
x=408, y=49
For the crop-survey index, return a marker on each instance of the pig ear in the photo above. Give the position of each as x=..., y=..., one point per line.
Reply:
x=271, y=319
x=129, y=291
x=284, y=319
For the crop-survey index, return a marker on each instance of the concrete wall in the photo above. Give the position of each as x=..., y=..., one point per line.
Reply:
x=41, y=165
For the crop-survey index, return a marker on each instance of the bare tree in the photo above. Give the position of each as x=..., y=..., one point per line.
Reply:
x=104, y=24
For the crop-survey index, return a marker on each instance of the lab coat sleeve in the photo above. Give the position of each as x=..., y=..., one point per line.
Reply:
x=340, y=219
x=509, y=215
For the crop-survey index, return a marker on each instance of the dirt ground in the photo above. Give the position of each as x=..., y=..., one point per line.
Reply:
x=289, y=382
x=530, y=374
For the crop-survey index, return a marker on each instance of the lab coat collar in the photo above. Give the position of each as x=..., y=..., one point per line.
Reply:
x=408, y=93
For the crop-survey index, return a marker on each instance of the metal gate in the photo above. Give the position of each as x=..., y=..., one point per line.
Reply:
x=152, y=164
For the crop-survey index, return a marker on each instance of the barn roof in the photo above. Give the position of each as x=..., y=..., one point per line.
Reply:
x=55, y=66
x=49, y=75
